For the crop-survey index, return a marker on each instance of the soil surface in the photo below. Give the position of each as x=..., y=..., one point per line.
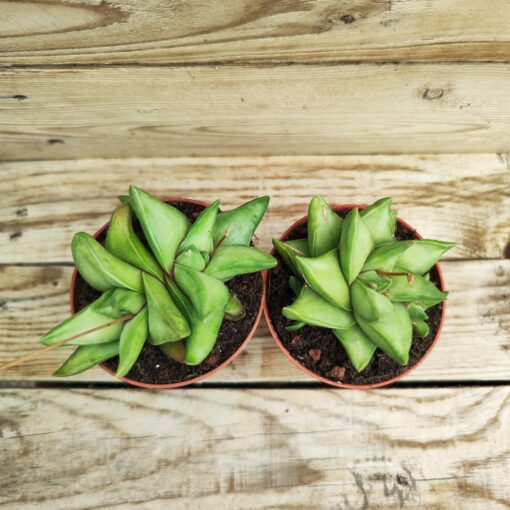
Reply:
x=153, y=366
x=318, y=349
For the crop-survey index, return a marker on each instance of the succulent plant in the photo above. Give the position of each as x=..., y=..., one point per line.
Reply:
x=172, y=292
x=352, y=276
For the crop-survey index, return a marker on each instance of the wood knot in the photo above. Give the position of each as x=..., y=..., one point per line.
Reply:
x=347, y=19
x=54, y=141
x=432, y=94
x=506, y=251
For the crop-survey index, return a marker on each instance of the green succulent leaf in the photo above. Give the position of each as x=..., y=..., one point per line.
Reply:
x=132, y=340
x=380, y=221
x=87, y=356
x=360, y=349
x=421, y=328
x=368, y=303
x=207, y=294
x=416, y=289
x=229, y=261
x=100, y=269
x=385, y=256
x=174, y=350
x=324, y=275
x=355, y=245
x=163, y=225
x=295, y=326
x=234, y=309
x=243, y=221
x=200, y=234
x=122, y=242
x=394, y=216
x=416, y=312
x=392, y=333
x=312, y=309
x=375, y=281
x=192, y=258
x=421, y=255
x=296, y=285
x=85, y=319
x=166, y=322
x=123, y=199
x=324, y=227
x=289, y=250
x=120, y=303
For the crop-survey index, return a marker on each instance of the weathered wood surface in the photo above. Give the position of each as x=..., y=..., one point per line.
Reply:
x=240, y=110
x=446, y=449
x=474, y=345
x=462, y=198
x=158, y=31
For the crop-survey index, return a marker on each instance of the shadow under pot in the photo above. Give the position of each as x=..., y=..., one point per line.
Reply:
x=316, y=351
x=153, y=368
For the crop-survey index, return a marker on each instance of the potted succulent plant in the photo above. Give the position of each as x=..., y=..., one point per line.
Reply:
x=168, y=292
x=357, y=298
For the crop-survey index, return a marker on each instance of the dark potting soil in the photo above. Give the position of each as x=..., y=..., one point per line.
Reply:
x=153, y=366
x=318, y=349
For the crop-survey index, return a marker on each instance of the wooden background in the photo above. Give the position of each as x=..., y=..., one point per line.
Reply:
x=349, y=99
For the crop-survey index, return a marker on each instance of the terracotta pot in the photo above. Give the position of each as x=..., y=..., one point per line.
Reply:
x=324, y=379
x=200, y=377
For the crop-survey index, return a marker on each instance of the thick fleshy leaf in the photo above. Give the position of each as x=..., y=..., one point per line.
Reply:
x=379, y=221
x=421, y=328
x=191, y=258
x=368, y=303
x=100, y=269
x=234, y=309
x=163, y=225
x=416, y=312
x=166, y=322
x=289, y=250
x=325, y=277
x=312, y=309
x=394, y=216
x=123, y=199
x=243, y=221
x=85, y=319
x=120, y=303
x=417, y=289
x=122, y=242
x=421, y=255
x=175, y=350
x=392, y=333
x=132, y=340
x=324, y=227
x=207, y=294
x=358, y=346
x=296, y=285
x=385, y=256
x=295, y=326
x=230, y=261
x=87, y=356
x=375, y=281
x=200, y=234
x=355, y=245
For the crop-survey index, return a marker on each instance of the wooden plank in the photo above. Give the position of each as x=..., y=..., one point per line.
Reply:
x=462, y=198
x=126, y=31
x=475, y=343
x=241, y=110
x=446, y=449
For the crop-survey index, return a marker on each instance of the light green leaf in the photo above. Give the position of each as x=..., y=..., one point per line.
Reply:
x=191, y=258
x=357, y=345
x=418, y=289
x=296, y=285
x=416, y=312
x=385, y=256
x=234, y=310
x=120, y=303
x=368, y=303
x=175, y=350
x=421, y=328
x=324, y=227
x=379, y=221
x=295, y=326
x=421, y=255
x=132, y=340
x=375, y=281
x=200, y=234
x=289, y=250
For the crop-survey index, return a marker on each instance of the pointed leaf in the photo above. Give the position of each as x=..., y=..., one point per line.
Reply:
x=357, y=345
x=234, y=310
x=230, y=261
x=86, y=357
x=296, y=285
x=379, y=221
x=295, y=326
x=243, y=221
x=200, y=234
x=175, y=350
x=289, y=250
x=163, y=225
x=100, y=269
x=368, y=303
x=394, y=216
x=166, y=322
x=207, y=294
x=375, y=281
x=355, y=245
x=392, y=333
x=191, y=258
x=421, y=328
x=312, y=309
x=385, y=256
x=132, y=340
x=325, y=277
x=123, y=199
x=418, y=289
x=421, y=255
x=122, y=242
x=324, y=227
x=416, y=312
x=120, y=303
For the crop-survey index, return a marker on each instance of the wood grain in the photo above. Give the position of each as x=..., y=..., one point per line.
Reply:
x=242, y=110
x=474, y=345
x=182, y=31
x=444, y=449
x=461, y=198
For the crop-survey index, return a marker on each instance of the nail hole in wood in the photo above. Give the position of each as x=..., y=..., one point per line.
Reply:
x=55, y=141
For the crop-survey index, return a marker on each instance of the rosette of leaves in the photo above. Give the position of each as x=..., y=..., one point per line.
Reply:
x=172, y=289
x=352, y=276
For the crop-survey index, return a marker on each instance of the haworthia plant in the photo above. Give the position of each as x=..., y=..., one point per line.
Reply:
x=169, y=291
x=355, y=277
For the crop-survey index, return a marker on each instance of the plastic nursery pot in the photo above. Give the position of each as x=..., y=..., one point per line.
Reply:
x=250, y=327
x=404, y=371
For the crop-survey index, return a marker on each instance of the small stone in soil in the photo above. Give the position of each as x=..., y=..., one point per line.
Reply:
x=315, y=354
x=337, y=373
x=297, y=342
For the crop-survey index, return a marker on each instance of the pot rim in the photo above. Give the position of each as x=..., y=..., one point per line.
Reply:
x=198, y=378
x=331, y=382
